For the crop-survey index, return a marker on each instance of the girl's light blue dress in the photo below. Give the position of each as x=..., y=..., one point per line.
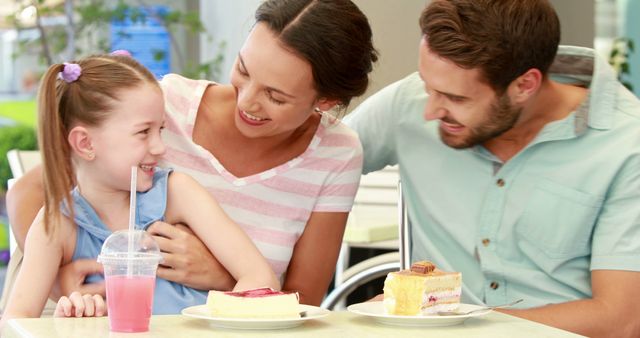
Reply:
x=169, y=297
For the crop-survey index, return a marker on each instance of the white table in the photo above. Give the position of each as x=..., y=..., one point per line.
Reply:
x=337, y=324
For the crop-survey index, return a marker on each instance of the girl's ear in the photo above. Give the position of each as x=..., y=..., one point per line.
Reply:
x=326, y=104
x=80, y=142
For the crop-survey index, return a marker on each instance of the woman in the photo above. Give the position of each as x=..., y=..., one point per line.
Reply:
x=279, y=166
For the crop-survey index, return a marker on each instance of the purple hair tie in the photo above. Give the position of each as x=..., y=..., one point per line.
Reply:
x=70, y=72
x=121, y=52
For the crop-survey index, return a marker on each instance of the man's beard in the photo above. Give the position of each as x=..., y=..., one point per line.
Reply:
x=501, y=117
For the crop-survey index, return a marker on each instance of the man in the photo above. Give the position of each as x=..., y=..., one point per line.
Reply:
x=526, y=175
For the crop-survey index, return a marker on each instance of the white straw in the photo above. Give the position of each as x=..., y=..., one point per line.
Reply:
x=132, y=218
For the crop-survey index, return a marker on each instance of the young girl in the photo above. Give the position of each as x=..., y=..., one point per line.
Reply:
x=97, y=119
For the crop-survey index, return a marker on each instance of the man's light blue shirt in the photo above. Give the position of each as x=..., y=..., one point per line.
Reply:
x=535, y=226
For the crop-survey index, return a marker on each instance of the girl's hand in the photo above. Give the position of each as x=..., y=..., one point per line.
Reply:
x=71, y=278
x=77, y=305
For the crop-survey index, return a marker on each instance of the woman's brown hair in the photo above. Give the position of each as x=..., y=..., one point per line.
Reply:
x=334, y=36
x=87, y=100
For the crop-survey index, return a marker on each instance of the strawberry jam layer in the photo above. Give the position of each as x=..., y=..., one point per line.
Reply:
x=256, y=293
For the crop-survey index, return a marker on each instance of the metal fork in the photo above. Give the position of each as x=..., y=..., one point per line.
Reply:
x=461, y=313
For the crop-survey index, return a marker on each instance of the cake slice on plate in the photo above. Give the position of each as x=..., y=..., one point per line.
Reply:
x=421, y=290
x=263, y=303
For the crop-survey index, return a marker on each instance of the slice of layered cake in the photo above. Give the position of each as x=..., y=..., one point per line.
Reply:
x=422, y=290
x=257, y=303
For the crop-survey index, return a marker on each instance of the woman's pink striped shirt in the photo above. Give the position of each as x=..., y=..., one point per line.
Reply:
x=273, y=206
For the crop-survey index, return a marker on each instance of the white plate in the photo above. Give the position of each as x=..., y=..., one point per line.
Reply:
x=201, y=312
x=377, y=312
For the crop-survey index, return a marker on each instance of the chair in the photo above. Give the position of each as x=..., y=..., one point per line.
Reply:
x=353, y=277
x=20, y=161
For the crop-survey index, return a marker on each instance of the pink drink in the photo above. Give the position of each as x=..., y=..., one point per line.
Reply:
x=129, y=300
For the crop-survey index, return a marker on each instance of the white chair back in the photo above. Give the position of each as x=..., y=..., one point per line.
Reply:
x=373, y=216
x=377, y=220
x=21, y=161
x=404, y=231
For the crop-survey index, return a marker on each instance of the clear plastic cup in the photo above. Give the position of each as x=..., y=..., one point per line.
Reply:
x=130, y=279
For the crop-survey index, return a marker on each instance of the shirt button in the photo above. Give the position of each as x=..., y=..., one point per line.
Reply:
x=486, y=242
x=500, y=182
x=494, y=285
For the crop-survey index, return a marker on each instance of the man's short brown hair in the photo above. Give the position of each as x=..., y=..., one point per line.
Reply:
x=502, y=38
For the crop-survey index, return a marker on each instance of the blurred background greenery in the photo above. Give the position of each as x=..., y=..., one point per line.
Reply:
x=21, y=135
x=22, y=112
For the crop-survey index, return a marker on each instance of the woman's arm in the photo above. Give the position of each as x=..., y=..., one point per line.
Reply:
x=315, y=256
x=188, y=202
x=186, y=260
x=42, y=257
x=24, y=200
x=191, y=263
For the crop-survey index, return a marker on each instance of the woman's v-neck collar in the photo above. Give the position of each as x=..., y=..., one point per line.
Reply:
x=264, y=175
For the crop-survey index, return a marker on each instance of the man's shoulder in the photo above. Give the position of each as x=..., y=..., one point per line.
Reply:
x=407, y=88
x=404, y=95
x=629, y=105
x=619, y=115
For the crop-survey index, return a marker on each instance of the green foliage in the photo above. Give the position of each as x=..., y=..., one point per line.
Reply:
x=619, y=59
x=15, y=137
x=23, y=112
x=91, y=22
x=4, y=239
x=207, y=70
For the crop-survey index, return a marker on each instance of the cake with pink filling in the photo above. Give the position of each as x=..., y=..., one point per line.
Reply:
x=422, y=290
x=257, y=303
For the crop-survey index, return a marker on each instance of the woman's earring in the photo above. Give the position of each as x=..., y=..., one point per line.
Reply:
x=91, y=155
x=317, y=110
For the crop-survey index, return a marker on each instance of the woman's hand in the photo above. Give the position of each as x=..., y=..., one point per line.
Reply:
x=79, y=305
x=378, y=298
x=186, y=260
